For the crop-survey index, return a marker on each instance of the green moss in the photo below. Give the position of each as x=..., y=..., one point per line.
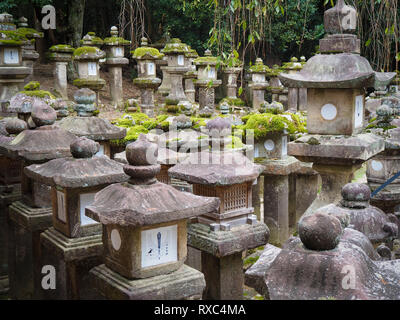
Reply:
x=236, y=143
x=150, y=124
x=198, y=122
x=141, y=52
x=237, y=102
x=39, y=94
x=13, y=38
x=266, y=123
x=162, y=117
x=175, y=46
x=259, y=67
x=207, y=60
x=85, y=50
x=250, y=260
x=31, y=86
x=165, y=126
x=116, y=41
x=62, y=48
x=172, y=109
x=138, y=117
x=131, y=135
x=30, y=33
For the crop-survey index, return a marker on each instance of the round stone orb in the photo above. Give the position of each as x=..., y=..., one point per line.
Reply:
x=320, y=231
x=85, y=96
x=42, y=114
x=84, y=148
x=142, y=152
x=356, y=192
x=16, y=126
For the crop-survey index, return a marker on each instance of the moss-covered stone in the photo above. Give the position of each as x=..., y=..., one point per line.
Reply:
x=259, y=67
x=132, y=134
x=87, y=50
x=30, y=33
x=13, y=38
x=175, y=46
x=233, y=102
x=94, y=84
x=116, y=41
x=264, y=124
x=66, y=48
x=33, y=85
x=146, y=53
x=39, y=94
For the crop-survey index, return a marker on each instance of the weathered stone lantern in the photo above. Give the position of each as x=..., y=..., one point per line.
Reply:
x=162, y=63
x=336, y=90
x=74, y=244
x=61, y=55
x=207, y=79
x=10, y=191
x=190, y=90
x=32, y=215
x=175, y=52
x=29, y=54
x=277, y=90
x=147, y=80
x=222, y=235
x=145, y=234
x=91, y=40
x=115, y=60
x=12, y=70
x=89, y=126
x=87, y=59
x=259, y=84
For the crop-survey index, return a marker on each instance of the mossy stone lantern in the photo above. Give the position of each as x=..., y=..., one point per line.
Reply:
x=147, y=80
x=207, y=79
x=32, y=215
x=145, y=233
x=29, y=54
x=258, y=83
x=87, y=59
x=295, y=98
x=233, y=66
x=336, y=84
x=175, y=52
x=115, y=59
x=61, y=55
x=12, y=70
x=73, y=245
x=86, y=124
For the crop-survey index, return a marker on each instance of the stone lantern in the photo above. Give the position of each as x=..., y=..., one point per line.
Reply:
x=115, y=60
x=231, y=70
x=175, y=52
x=190, y=90
x=29, y=54
x=222, y=235
x=165, y=86
x=73, y=245
x=32, y=215
x=147, y=80
x=145, y=233
x=12, y=70
x=87, y=59
x=10, y=191
x=276, y=88
x=91, y=40
x=61, y=54
x=89, y=126
x=207, y=80
x=259, y=84
x=336, y=92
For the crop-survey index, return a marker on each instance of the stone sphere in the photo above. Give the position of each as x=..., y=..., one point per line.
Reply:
x=85, y=96
x=142, y=152
x=42, y=114
x=84, y=148
x=16, y=126
x=356, y=192
x=320, y=231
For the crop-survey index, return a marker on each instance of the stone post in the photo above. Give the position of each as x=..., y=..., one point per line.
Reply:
x=61, y=55
x=190, y=90
x=115, y=60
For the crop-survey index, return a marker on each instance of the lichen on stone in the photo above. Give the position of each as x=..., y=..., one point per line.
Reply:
x=33, y=85
x=146, y=52
x=62, y=48
x=116, y=41
x=86, y=50
x=30, y=33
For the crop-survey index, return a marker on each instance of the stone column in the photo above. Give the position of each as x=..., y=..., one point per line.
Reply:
x=258, y=84
x=224, y=276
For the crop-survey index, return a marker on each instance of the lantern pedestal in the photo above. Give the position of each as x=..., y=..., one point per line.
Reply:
x=183, y=284
x=277, y=197
x=5, y=200
x=24, y=227
x=72, y=259
x=221, y=255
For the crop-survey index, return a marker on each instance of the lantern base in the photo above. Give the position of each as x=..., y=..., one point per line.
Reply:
x=183, y=284
x=5, y=200
x=72, y=259
x=24, y=227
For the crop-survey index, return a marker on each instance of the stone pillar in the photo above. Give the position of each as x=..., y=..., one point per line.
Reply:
x=190, y=90
x=302, y=103
x=224, y=276
x=258, y=84
x=60, y=75
x=293, y=98
x=165, y=87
